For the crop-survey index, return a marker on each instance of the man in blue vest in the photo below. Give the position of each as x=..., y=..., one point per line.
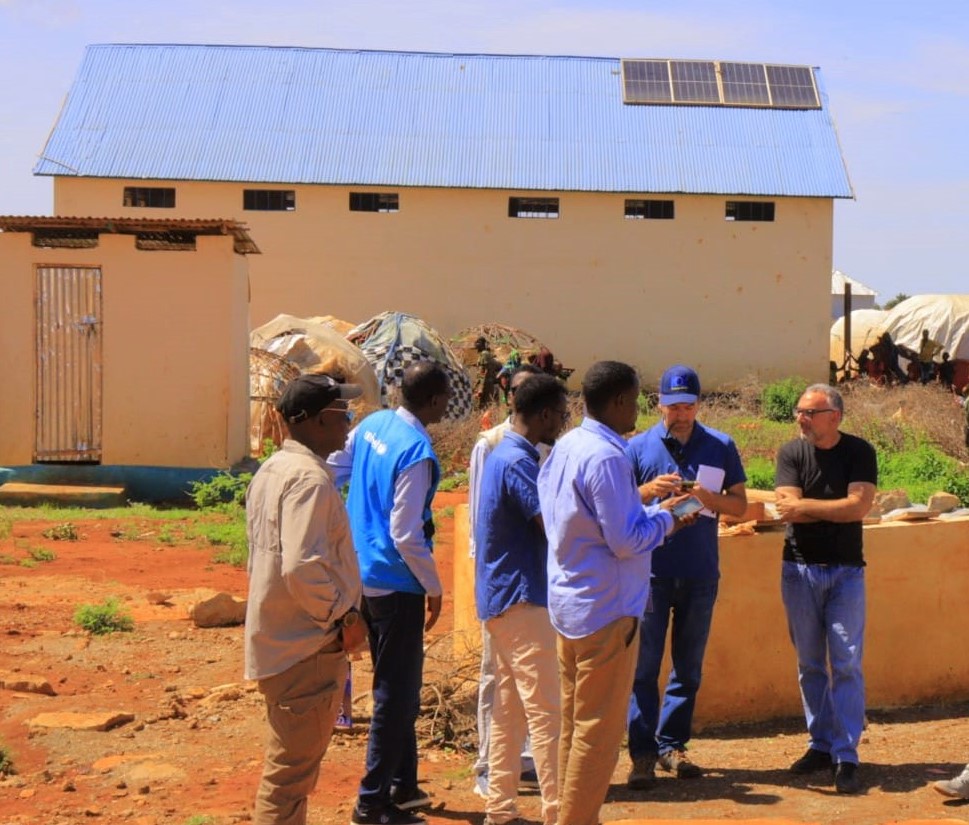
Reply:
x=678, y=454
x=393, y=475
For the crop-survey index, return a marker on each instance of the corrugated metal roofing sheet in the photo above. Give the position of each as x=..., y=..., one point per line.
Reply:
x=326, y=116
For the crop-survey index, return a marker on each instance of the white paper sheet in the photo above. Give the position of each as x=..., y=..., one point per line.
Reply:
x=709, y=478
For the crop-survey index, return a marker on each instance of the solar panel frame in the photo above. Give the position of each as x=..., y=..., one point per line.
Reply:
x=694, y=81
x=744, y=84
x=792, y=87
x=646, y=81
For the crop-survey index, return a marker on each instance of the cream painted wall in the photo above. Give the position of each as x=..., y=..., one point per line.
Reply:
x=175, y=350
x=732, y=299
x=916, y=611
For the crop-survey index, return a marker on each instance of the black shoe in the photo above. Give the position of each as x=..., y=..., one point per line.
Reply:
x=528, y=781
x=384, y=815
x=812, y=761
x=846, y=778
x=410, y=800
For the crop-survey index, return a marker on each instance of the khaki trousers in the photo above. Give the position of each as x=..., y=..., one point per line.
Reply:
x=597, y=679
x=527, y=699
x=301, y=707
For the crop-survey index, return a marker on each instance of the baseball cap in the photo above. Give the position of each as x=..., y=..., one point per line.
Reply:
x=679, y=385
x=306, y=395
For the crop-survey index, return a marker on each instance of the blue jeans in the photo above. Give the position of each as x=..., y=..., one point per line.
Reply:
x=825, y=607
x=397, y=652
x=690, y=603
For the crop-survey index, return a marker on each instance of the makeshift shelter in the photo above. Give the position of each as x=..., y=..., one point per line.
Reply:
x=866, y=326
x=392, y=341
x=946, y=317
x=268, y=374
x=318, y=345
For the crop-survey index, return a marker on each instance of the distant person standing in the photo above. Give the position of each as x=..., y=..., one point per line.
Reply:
x=393, y=474
x=825, y=487
x=486, y=381
x=304, y=593
x=678, y=450
x=600, y=538
x=928, y=349
x=947, y=372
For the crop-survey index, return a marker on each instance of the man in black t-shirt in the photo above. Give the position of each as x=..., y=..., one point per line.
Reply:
x=825, y=487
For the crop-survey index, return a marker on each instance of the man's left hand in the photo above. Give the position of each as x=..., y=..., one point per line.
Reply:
x=433, y=611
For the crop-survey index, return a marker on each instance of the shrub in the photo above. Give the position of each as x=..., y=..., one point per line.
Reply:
x=760, y=474
x=779, y=398
x=61, y=532
x=6, y=761
x=41, y=554
x=107, y=617
x=222, y=488
x=454, y=481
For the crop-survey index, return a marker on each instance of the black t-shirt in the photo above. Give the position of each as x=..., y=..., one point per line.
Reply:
x=825, y=474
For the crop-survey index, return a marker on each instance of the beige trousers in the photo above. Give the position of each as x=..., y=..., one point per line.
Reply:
x=597, y=678
x=527, y=699
x=301, y=707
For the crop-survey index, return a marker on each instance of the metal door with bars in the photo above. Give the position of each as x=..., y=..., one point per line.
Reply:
x=68, y=365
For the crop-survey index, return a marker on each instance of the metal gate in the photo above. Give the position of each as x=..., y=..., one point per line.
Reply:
x=68, y=365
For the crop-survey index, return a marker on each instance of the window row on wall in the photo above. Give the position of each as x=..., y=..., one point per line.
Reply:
x=284, y=200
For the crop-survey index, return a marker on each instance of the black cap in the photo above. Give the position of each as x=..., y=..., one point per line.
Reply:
x=306, y=395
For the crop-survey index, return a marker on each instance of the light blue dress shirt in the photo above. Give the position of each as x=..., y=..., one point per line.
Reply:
x=600, y=537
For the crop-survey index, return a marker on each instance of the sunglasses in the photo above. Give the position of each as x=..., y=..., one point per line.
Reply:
x=808, y=413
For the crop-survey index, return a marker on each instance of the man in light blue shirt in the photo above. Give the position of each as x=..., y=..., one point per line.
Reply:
x=600, y=539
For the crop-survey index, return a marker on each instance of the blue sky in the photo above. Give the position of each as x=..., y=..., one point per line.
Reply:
x=896, y=73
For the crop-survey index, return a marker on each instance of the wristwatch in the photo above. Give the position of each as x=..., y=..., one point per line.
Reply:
x=349, y=619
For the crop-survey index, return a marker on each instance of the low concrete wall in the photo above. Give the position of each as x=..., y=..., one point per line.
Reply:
x=918, y=611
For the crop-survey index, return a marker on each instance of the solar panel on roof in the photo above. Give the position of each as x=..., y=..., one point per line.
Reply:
x=719, y=83
x=646, y=81
x=744, y=83
x=694, y=81
x=792, y=86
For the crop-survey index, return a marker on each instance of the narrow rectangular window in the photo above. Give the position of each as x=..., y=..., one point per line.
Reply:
x=374, y=202
x=654, y=210
x=533, y=207
x=269, y=200
x=749, y=211
x=153, y=197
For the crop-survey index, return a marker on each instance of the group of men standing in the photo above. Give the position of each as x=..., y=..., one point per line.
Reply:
x=585, y=555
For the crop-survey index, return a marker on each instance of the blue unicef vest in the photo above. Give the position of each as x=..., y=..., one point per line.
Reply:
x=383, y=447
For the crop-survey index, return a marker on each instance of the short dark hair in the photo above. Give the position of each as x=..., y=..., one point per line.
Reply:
x=529, y=369
x=421, y=382
x=604, y=380
x=538, y=393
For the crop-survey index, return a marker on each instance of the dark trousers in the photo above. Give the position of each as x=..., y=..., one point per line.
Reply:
x=397, y=652
x=689, y=602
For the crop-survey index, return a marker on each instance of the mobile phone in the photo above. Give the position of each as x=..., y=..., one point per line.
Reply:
x=688, y=483
x=686, y=507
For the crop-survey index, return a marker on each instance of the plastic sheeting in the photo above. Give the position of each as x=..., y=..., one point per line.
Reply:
x=316, y=346
x=866, y=326
x=946, y=317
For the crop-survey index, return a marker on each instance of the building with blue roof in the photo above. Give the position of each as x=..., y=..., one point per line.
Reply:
x=648, y=210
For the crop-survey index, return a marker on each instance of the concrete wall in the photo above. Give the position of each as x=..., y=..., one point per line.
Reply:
x=733, y=299
x=175, y=350
x=917, y=611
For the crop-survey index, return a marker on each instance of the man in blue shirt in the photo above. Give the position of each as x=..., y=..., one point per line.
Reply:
x=511, y=594
x=685, y=574
x=393, y=476
x=600, y=538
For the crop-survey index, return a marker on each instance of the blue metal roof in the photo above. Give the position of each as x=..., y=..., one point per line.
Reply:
x=329, y=116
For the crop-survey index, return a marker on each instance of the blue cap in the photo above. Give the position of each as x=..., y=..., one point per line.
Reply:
x=679, y=385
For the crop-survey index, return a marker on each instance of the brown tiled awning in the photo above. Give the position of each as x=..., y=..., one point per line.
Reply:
x=242, y=243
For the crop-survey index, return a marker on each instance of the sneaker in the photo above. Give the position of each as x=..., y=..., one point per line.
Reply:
x=812, y=762
x=642, y=775
x=846, y=778
x=957, y=788
x=388, y=815
x=679, y=763
x=481, y=785
x=410, y=800
x=528, y=781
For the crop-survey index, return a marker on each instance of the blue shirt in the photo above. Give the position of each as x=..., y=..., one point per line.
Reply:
x=599, y=534
x=384, y=447
x=511, y=550
x=691, y=553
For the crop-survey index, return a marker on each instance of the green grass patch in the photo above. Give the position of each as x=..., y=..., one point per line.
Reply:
x=455, y=481
x=445, y=512
x=200, y=819
x=41, y=554
x=107, y=617
x=228, y=535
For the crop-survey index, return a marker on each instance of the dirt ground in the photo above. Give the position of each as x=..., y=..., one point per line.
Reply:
x=193, y=746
